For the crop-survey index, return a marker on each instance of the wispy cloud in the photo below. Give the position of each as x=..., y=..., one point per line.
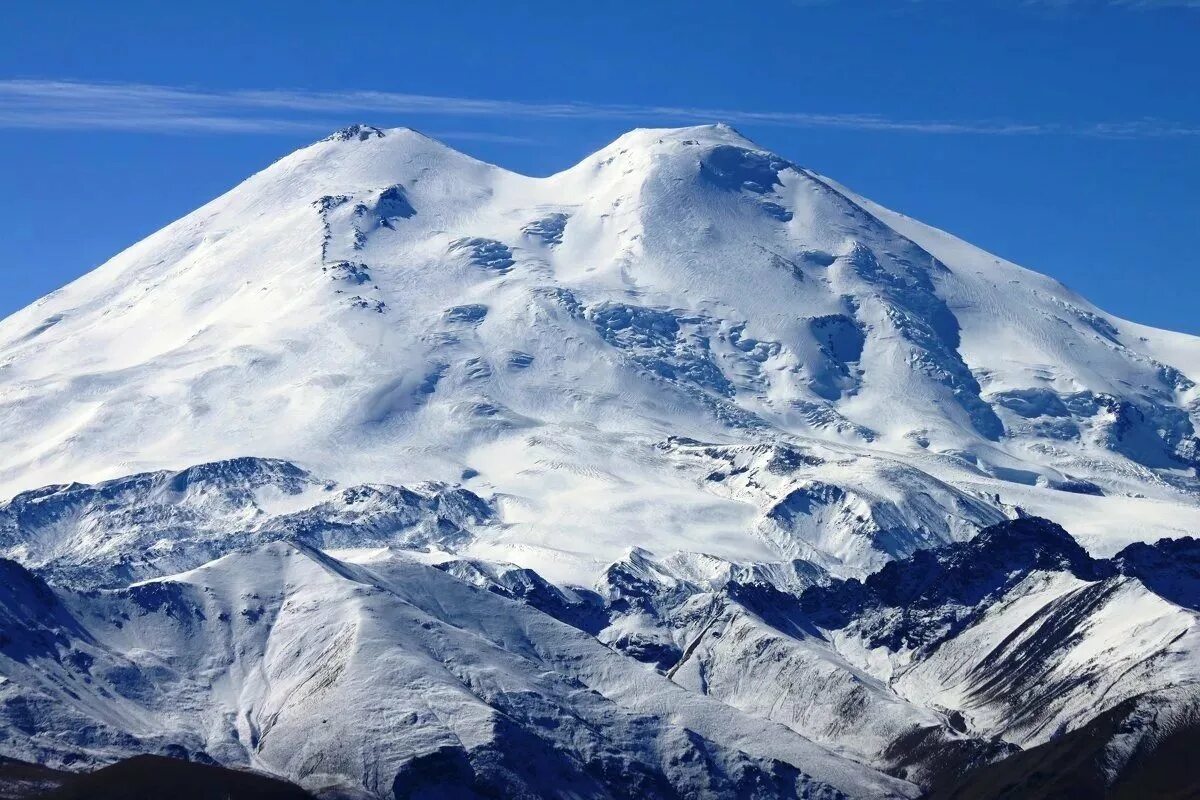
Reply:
x=1143, y=5
x=60, y=104
x=1061, y=5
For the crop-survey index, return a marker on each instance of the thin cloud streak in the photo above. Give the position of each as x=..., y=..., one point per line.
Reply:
x=52, y=119
x=58, y=104
x=1138, y=5
x=1055, y=5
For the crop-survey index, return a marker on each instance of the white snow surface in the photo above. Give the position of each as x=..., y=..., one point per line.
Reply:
x=378, y=307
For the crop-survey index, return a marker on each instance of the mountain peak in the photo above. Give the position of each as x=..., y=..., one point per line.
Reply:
x=357, y=156
x=714, y=133
x=354, y=132
x=649, y=142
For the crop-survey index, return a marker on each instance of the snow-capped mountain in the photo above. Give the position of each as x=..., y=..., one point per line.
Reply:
x=380, y=308
x=663, y=475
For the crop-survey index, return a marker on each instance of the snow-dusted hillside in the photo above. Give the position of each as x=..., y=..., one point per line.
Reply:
x=382, y=674
x=391, y=464
x=378, y=679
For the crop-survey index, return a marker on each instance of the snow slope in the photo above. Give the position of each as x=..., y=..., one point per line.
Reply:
x=378, y=673
x=378, y=679
x=154, y=524
x=380, y=308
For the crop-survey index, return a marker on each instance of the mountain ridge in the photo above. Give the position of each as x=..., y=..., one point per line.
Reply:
x=288, y=605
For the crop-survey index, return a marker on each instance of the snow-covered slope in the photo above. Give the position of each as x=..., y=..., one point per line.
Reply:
x=663, y=474
x=378, y=679
x=380, y=308
x=382, y=673
x=948, y=658
x=153, y=524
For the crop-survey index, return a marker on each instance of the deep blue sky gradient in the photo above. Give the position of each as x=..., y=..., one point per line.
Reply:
x=1113, y=215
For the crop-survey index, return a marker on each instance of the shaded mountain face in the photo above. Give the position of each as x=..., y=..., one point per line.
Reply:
x=143, y=777
x=685, y=472
x=1140, y=748
x=20, y=780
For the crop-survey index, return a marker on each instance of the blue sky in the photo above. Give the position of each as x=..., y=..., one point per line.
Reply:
x=1062, y=134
